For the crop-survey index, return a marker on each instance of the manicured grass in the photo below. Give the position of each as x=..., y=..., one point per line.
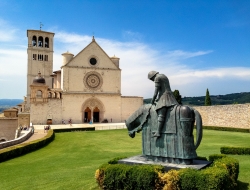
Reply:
x=70, y=161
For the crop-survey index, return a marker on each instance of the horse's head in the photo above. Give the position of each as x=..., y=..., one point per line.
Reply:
x=136, y=120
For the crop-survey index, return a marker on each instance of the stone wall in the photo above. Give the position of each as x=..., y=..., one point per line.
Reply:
x=235, y=115
x=24, y=136
x=40, y=112
x=8, y=128
x=129, y=105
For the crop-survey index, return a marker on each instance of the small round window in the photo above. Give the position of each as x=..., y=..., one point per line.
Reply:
x=93, y=61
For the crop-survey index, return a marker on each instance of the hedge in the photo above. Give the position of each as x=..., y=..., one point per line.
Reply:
x=24, y=148
x=222, y=174
x=235, y=150
x=227, y=129
x=121, y=176
x=74, y=129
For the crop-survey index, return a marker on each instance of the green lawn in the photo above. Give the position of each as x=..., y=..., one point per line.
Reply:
x=70, y=161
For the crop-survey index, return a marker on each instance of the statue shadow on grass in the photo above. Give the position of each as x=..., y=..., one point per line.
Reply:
x=243, y=185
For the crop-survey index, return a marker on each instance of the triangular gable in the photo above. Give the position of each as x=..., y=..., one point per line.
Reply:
x=93, y=50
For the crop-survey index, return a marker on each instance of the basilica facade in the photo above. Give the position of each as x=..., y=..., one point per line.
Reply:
x=87, y=87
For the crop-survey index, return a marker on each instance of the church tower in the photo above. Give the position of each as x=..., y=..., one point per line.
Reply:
x=40, y=57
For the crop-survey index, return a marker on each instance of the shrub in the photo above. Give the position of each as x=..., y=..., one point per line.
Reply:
x=121, y=176
x=214, y=157
x=18, y=150
x=74, y=129
x=169, y=180
x=222, y=174
x=226, y=129
x=231, y=165
x=212, y=178
x=188, y=178
x=235, y=150
x=115, y=160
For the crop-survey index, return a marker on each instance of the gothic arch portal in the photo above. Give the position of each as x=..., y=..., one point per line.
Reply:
x=92, y=110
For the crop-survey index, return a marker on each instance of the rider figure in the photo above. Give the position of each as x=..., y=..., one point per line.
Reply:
x=165, y=98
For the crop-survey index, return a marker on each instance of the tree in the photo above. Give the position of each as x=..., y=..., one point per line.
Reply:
x=207, y=99
x=177, y=96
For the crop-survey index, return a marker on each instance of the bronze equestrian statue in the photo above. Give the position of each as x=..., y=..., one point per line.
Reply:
x=167, y=127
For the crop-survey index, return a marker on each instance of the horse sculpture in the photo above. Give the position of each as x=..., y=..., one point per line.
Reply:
x=176, y=143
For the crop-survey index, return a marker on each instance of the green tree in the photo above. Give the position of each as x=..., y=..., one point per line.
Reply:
x=207, y=99
x=177, y=96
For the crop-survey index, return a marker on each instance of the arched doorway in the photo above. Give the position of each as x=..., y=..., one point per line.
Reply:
x=92, y=110
x=96, y=115
x=87, y=115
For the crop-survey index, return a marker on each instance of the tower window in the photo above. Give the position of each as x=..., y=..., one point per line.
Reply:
x=34, y=41
x=34, y=56
x=46, y=58
x=40, y=57
x=40, y=41
x=39, y=94
x=46, y=44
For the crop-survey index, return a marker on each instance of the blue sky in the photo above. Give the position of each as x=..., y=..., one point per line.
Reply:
x=197, y=44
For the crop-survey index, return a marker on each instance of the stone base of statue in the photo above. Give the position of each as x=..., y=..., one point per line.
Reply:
x=141, y=159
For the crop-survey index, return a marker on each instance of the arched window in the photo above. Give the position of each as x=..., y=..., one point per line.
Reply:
x=34, y=56
x=40, y=41
x=34, y=41
x=49, y=95
x=39, y=94
x=46, y=44
x=40, y=57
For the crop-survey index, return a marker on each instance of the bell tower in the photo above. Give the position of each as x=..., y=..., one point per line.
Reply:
x=40, y=57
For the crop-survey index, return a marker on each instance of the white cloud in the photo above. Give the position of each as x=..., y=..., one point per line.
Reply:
x=7, y=32
x=136, y=60
x=180, y=54
x=129, y=35
x=13, y=62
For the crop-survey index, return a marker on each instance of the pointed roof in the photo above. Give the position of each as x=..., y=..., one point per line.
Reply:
x=93, y=42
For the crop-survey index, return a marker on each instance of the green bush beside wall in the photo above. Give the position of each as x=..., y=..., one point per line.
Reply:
x=74, y=129
x=222, y=174
x=235, y=150
x=226, y=129
x=21, y=149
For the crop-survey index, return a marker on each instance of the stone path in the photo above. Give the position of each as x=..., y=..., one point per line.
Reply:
x=38, y=134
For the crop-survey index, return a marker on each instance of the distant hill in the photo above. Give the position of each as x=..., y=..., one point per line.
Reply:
x=234, y=98
x=8, y=103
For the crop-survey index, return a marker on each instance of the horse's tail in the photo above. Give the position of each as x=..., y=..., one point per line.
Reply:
x=198, y=128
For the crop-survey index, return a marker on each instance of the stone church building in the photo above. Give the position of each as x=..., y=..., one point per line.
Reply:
x=86, y=88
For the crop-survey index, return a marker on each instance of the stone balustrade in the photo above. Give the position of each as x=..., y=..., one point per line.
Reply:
x=24, y=135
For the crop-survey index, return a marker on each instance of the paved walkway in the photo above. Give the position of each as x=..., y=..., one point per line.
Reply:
x=38, y=134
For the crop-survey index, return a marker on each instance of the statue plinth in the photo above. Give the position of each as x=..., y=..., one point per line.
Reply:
x=140, y=160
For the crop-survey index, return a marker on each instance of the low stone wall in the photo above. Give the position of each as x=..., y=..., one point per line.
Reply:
x=235, y=115
x=98, y=126
x=8, y=128
x=23, y=137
